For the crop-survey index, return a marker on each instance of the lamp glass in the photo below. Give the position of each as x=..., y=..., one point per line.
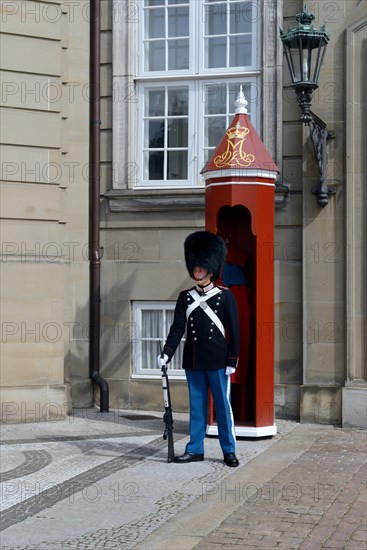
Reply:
x=304, y=47
x=304, y=58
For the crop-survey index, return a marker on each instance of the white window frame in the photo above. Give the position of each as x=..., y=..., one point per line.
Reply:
x=253, y=109
x=196, y=60
x=192, y=165
x=195, y=129
x=153, y=373
x=140, y=46
x=195, y=78
x=254, y=66
x=126, y=78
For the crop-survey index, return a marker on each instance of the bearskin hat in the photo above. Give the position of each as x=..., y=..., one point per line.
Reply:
x=204, y=249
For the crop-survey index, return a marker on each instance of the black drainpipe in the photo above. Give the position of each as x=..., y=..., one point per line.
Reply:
x=94, y=205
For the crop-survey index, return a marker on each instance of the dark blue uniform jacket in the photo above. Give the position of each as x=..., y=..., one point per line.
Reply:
x=205, y=347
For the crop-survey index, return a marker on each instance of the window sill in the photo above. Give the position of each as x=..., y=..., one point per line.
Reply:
x=159, y=200
x=155, y=200
x=158, y=376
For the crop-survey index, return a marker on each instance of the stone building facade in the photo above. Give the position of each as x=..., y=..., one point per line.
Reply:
x=170, y=71
x=44, y=199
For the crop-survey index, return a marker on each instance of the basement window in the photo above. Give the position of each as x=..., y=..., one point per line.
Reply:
x=153, y=321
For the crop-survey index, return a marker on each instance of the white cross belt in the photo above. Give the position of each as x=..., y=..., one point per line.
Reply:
x=200, y=301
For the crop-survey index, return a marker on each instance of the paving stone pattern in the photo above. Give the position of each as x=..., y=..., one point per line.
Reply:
x=33, y=462
x=317, y=502
x=163, y=489
x=46, y=498
x=315, y=499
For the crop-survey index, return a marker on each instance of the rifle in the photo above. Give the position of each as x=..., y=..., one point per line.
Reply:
x=167, y=417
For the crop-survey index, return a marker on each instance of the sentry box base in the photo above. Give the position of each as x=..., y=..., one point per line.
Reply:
x=246, y=431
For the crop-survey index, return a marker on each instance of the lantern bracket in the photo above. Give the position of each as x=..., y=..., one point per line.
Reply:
x=319, y=136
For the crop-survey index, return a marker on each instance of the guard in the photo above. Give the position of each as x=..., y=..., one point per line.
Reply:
x=208, y=312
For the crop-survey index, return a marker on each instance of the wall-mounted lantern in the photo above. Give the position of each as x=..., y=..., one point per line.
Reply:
x=304, y=48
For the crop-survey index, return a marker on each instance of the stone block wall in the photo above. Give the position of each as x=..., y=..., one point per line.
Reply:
x=44, y=206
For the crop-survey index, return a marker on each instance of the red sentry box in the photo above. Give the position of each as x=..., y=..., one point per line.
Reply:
x=242, y=172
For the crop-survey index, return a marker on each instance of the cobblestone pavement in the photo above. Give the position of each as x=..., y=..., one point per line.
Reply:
x=317, y=501
x=102, y=481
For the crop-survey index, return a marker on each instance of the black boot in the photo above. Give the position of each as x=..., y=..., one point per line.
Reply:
x=188, y=457
x=231, y=460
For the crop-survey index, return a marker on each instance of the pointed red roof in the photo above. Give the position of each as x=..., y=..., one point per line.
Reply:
x=240, y=147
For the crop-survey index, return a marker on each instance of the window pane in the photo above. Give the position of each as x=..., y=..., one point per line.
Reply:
x=216, y=52
x=154, y=106
x=216, y=19
x=149, y=354
x=215, y=98
x=169, y=33
x=176, y=362
x=166, y=133
x=177, y=165
x=178, y=101
x=154, y=23
x=178, y=21
x=155, y=131
x=156, y=164
x=214, y=130
x=152, y=323
x=178, y=54
x=207, y=154
x=240, y=51
x=169, y=321
x=146, y=349
x=155, y=55
x=240, y=18
x=178, y=133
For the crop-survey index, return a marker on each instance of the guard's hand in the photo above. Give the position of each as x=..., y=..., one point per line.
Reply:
x=230, y=370
x=161, y=361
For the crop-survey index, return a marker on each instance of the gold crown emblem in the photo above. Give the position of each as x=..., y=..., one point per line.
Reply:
x=237, y=131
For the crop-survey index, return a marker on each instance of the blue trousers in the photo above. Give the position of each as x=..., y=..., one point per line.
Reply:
x=220, y=385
